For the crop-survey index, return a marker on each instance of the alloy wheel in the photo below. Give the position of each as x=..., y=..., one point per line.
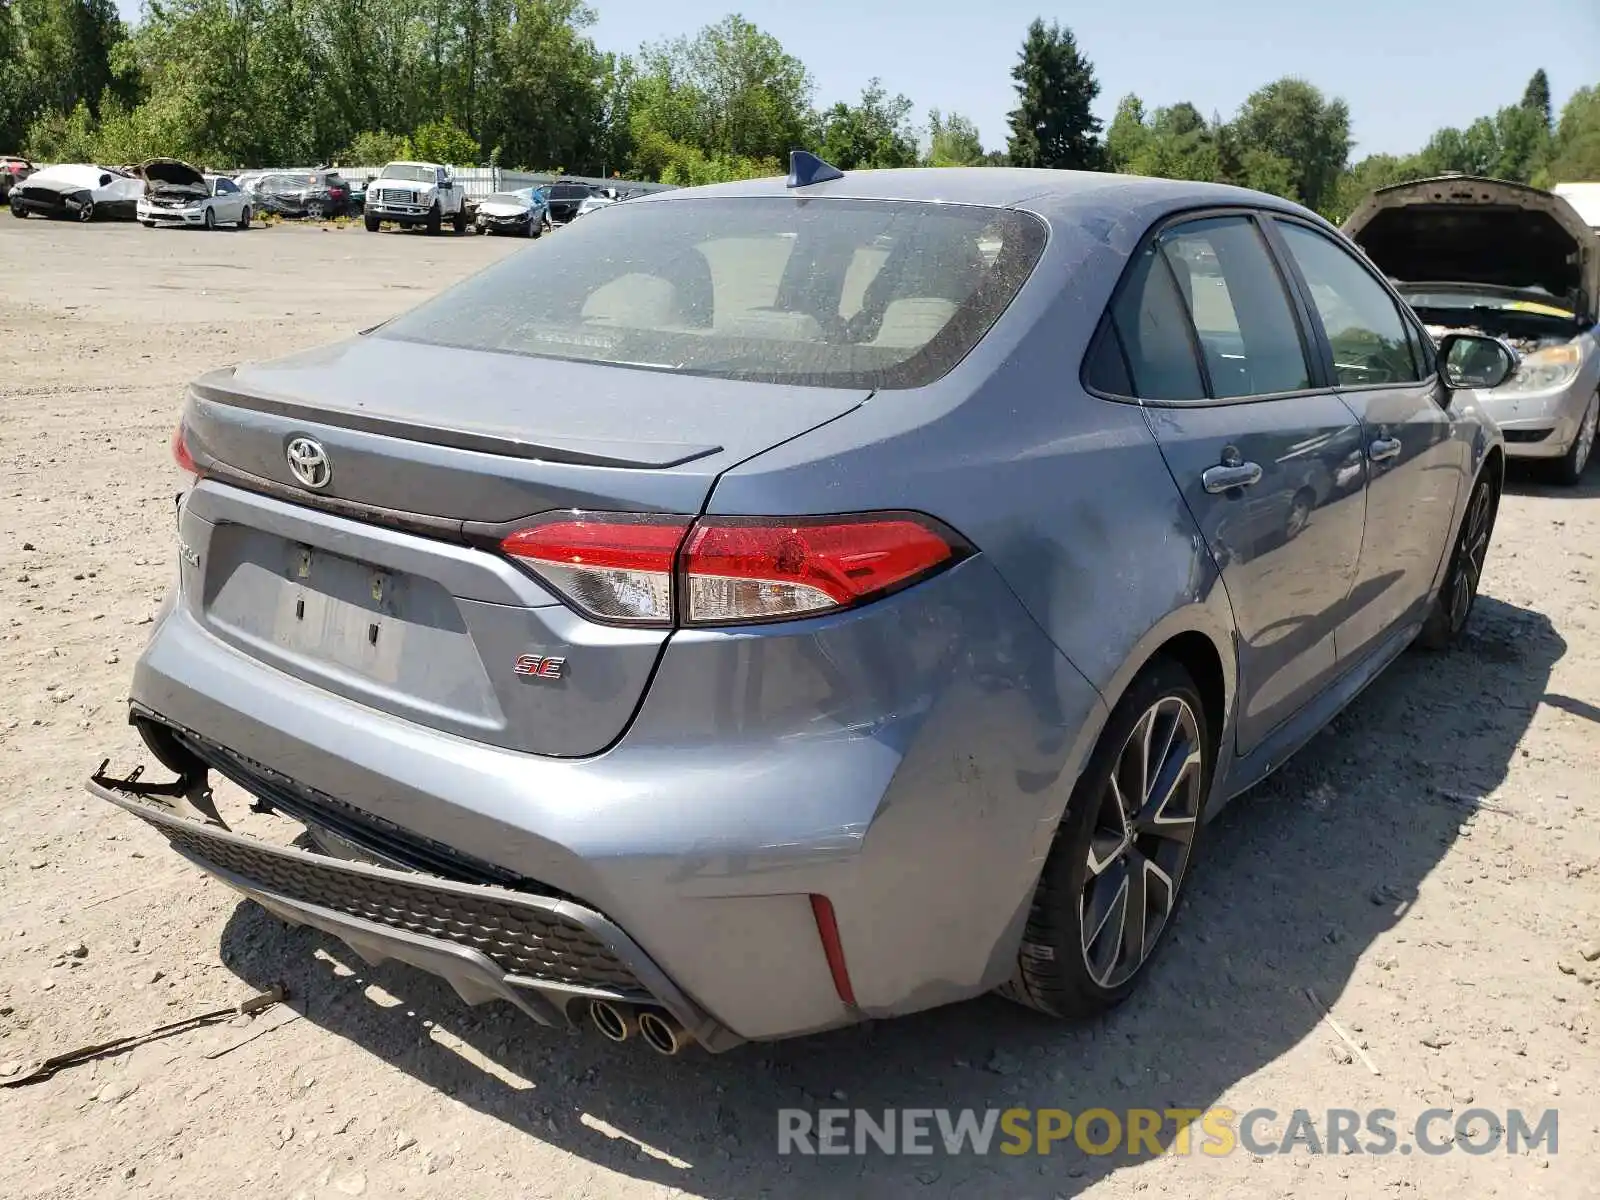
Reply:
x=1474, y=548
x=86, y=213
x=1144, y=829
x=1586, y=431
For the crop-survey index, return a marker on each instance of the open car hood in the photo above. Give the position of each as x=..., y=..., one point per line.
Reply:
x=1465, y=229
x=169, y=175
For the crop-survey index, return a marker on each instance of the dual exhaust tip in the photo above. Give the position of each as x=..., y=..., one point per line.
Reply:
x=660, y=1030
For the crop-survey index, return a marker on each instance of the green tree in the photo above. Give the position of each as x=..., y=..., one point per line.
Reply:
x=442, y=142
x=1054, y=124
x=1575, y=150
x=876, y=132
x=1127, y=135
x=727, y=103
x=1536, y=97
x=953, y=141
x=1367, y=176
x=1289, y=122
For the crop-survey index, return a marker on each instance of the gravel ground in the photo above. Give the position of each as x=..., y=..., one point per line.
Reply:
x=1426, y=870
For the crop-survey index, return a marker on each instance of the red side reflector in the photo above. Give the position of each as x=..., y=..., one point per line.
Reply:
x=832, y=948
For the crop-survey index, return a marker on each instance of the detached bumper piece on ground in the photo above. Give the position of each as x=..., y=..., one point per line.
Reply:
x=551, y=957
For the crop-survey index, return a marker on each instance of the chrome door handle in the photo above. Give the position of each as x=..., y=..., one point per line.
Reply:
x=1229, y=476
x=1383, y=448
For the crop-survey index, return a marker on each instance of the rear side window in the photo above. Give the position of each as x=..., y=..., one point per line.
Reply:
x=1364, y=326
x=829, y=292
x=1154, y=330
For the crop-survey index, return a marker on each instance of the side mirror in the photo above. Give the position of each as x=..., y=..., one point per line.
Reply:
x=1472, y=360
x=105, y=180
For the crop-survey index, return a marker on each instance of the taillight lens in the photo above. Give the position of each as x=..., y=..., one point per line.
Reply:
x=640, y=570
x=612, y=566
x=736, y=570
x=180, y=451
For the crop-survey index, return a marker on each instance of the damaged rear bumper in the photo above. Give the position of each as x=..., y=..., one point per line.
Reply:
x=549, y=956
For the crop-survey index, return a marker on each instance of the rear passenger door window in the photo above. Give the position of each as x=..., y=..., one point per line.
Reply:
x=1242, y=319
x=1369, y=338
x=1205, y=314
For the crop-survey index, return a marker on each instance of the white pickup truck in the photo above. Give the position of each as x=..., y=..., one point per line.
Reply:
x=413, y=193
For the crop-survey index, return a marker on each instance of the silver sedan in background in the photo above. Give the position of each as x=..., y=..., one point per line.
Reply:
x=1484, y=256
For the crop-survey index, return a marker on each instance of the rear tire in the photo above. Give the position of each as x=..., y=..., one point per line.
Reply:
x=459, y=221
x=1114, y=874
x=1569, y=468
x=1459, y=591
x=372, y=223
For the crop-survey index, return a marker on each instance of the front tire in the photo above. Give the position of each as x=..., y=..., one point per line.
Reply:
x=86, y=213
x=435, y=222
x=1569, y=468
x=1459, y=592
x=210, y=219
x=372, y=223
x=1114, y=877
x=244, y=218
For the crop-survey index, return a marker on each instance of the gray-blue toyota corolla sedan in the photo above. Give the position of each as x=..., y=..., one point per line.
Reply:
x=775, y=605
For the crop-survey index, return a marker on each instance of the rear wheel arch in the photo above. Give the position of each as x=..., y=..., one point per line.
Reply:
x=1192, y=639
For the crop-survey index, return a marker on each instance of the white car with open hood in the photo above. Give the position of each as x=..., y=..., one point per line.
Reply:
x=1474, y=255
x=178, y=194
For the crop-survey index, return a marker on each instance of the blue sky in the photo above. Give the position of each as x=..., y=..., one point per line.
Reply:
x=1405, y=67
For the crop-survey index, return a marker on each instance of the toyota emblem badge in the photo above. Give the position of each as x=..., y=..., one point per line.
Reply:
x=308, y=463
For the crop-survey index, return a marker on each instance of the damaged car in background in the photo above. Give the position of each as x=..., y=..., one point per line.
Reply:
x=518, y=213
x=178, y=194
x=13, y=171
x=1484, y=256
x=78, y=192
x=315, y=195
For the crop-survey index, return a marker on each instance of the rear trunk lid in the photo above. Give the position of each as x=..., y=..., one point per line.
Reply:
x=381, y=582
x=1465, y=229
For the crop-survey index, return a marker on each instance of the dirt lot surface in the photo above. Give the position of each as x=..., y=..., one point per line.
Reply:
x=1427, y=869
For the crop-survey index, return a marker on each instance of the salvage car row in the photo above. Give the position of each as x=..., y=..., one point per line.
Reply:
x=169, y=192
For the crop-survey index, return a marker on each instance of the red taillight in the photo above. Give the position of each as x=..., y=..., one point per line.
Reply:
x=180, y=452
x=611, y=565
x=729, y=570
x=739, y=570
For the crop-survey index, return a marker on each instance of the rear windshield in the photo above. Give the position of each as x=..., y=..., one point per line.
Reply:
x=843, y=293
